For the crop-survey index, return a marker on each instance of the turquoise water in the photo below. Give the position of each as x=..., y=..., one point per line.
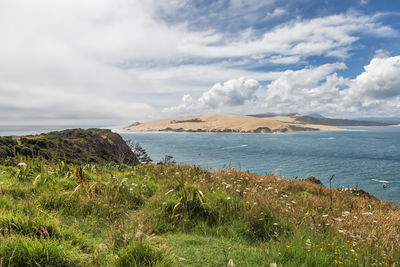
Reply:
x=364, y=159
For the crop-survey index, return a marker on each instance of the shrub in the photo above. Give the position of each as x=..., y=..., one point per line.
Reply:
x=23, y=251
x=142, y=254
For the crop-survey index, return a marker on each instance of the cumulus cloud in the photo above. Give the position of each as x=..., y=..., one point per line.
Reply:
x=313, y=89
x=320, y=89
x=380, y=79
x=229, y=94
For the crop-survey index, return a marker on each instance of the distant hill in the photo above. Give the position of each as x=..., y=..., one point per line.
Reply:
x=318, y=119
x=316, y=115
x=390, y=120
x=263, y=123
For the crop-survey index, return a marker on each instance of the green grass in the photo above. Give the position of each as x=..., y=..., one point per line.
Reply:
x=169, y=215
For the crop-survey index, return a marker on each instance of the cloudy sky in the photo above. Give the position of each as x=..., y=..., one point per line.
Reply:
x=110, y=62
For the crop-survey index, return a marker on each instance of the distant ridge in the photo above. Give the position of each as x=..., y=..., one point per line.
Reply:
x=315, y=118
x=390, y=120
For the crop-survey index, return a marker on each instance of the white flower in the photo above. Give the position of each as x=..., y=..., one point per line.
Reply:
x=228, y=198
x=367, y=213
x=22, y=164
x=325, y=215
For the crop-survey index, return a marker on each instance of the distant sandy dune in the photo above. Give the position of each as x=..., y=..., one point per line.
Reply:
x=230, y=123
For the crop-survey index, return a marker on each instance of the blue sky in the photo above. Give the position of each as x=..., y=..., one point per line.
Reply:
x=118, y=61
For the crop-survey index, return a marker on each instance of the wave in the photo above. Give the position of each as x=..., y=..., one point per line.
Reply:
x=380, y=181
x=232, y=147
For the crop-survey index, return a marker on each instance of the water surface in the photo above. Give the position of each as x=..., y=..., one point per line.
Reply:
x=365, y=158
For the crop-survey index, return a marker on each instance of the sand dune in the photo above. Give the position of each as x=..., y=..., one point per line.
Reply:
x=230, y=123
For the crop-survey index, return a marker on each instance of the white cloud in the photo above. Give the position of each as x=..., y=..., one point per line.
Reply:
x=229, y=94
x=83, y=61
x=375, y=91
x=380, y=80
x=328, y=36
x=276, y=13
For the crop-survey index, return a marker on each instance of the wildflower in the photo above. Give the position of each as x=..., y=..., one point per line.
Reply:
x=325, y=215
x=275, y=224
x=228, y=198
x=341, y=231
x=269, y=188
x=123, y=181
x=237, y=190
x=294, y=202
x=285, y=195
x=22, y=164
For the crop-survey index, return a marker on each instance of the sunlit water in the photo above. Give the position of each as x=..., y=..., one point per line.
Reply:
x=366, y=158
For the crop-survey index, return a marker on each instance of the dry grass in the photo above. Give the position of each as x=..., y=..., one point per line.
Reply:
x=355, y=215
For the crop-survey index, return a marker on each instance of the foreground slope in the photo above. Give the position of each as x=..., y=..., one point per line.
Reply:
x=229, y=123
x=171, y=215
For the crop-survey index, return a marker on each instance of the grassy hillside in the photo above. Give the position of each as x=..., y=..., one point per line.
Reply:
x=170, y=215
x=71, y=146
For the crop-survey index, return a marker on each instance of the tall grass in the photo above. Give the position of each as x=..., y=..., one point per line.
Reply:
x=152, y=215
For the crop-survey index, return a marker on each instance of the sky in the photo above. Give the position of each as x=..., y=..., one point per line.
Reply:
x=114, y=62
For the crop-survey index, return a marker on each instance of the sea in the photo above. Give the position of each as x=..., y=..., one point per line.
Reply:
x=364, y=158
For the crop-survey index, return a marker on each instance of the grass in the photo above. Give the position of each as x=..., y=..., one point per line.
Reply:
x=172, y=215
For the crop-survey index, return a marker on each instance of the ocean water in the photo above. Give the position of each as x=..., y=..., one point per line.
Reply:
x=365, y=158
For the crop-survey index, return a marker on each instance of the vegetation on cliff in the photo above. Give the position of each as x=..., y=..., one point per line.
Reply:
x=71, y=146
